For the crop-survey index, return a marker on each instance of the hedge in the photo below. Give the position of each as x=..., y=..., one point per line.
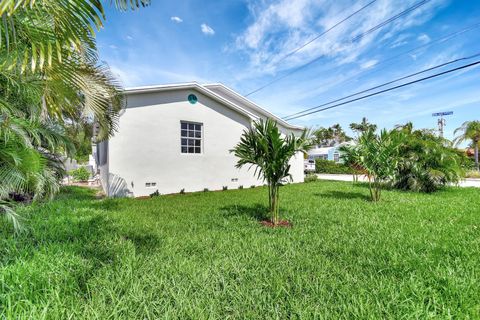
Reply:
x=328, y=166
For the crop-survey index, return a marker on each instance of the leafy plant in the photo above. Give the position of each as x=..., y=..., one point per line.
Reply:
x=473, y=174
x=155, y=194
x=363, y=126
x=225, y=188
x=469, y=130
x=52, y=84
x=182, y=191
x=240, y=187
x=328, y=166
x=263, y=148
x=80, y=174
x=205, y=190
x=378, y=155
x=311, y=177
x=330, y=136
x=426, y=161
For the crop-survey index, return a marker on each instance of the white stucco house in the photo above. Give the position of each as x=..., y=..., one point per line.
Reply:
x=178, y=137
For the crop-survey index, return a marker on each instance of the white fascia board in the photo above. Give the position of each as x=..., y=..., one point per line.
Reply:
x=255, y=106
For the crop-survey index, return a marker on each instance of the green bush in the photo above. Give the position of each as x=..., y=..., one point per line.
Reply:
x=155, y=194
x=328, y=166
x=311, y=177
x=80, y=174
x=473, y=174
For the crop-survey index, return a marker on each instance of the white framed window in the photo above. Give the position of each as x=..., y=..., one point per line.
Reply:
x=336, y=157
x=150, y=184
x=191, y=134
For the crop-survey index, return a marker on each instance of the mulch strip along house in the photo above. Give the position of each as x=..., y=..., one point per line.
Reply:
x=178, y=137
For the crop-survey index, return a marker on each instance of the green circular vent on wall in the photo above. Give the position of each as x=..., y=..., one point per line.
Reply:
x=192, y=98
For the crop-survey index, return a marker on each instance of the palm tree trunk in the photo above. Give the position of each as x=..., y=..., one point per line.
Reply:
x=277, y=204
x=270, y=196
x=476, y=155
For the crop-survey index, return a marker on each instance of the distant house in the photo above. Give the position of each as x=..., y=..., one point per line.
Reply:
x=178, y=137
x=327, y=153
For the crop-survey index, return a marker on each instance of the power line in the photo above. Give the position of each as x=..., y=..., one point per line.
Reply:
x=324, y=32
x=432, y=42
x=392, y=88
x=356, y=38
x=384, y=84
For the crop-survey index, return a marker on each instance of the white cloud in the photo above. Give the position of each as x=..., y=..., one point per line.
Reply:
x=112, y=46
x=176, y=19
x=206, y=29
x=280, y=27
x=128, y=37
x=423, y=38
x=368, y=64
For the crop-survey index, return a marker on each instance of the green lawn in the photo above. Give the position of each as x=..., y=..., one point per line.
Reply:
x=205, y=255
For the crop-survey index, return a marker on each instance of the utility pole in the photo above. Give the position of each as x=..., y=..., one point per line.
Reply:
x=441, y=121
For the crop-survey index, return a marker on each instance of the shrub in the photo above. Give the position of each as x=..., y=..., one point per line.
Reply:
x=252, y=186
x=225, y=188
x=311, y=177
x=240, y=187
x=154, y=194
x=473, y=174
x=328, y=166
x=80, y=174
x=182, y=191
x=205, y=190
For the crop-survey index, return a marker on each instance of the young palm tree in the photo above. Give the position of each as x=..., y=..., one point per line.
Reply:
x=377, y=155
x=264, y=148
x=469, y=130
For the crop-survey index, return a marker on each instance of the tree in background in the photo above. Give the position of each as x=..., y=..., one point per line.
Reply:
x=469, y=131
x=264, y=148
x=328, y=137
x=363, y=126
x=50, y=79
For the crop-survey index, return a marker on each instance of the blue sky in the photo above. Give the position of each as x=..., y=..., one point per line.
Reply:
x=240, y=43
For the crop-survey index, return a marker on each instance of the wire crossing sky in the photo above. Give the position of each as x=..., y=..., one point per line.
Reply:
x=352, y=40
x=389, y=89
x=305, y=112
x=245, y=44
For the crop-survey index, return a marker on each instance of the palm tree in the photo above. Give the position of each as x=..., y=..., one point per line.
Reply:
x=377, y=155
x=427, y=161
x=363, y=126
x=469, y=130
x=330, y=136
x=50, y=78
x=264, y=148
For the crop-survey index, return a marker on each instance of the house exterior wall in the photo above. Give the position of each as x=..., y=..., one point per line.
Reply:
x=326, y=153
x=147, y=146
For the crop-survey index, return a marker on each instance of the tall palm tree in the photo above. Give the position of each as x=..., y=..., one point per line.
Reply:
x=469, y=130
x=264, y=148
x=363, y=126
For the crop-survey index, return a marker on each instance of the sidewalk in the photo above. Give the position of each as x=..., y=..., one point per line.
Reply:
x=348, y=177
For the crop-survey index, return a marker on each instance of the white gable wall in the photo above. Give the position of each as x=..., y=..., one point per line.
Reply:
x=147, y=146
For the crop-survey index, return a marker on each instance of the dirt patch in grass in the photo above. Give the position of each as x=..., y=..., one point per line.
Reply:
x=281, y=223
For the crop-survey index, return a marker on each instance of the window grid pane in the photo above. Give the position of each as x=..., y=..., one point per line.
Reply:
x=191, y=137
